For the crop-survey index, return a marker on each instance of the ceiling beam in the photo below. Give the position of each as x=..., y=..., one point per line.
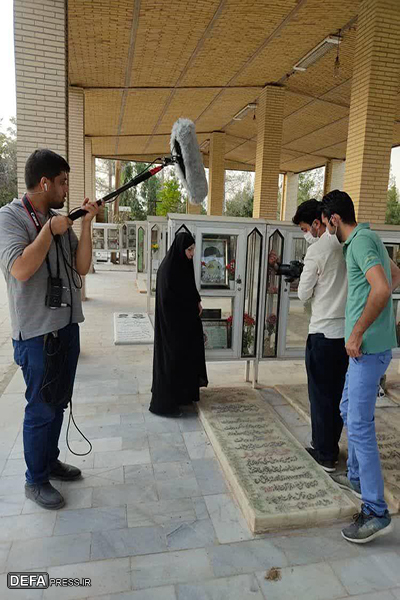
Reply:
x=164, y=88
x=128, y=70
x=265, y=43
x=196, y=51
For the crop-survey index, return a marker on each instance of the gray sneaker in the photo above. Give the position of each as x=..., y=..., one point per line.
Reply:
x=45, y=495
x=367, y=527
x=344, y=482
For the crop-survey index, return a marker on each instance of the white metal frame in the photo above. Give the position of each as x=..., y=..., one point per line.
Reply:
x=199, y=224
x=162, y=224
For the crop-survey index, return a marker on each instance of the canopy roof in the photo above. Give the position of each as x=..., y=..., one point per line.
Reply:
x=145, y=63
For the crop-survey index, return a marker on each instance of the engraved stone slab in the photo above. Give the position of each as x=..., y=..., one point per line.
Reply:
x=133, y=328
x=276, y=483
x=387, y=423
x=393, y=390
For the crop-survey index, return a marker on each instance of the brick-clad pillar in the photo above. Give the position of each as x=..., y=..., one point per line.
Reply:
x=269, y=140
x=216, y=187
x=338, y=170
x=193, y=209
x=88, y=169
x=376, y=69
x=328, y=177
x=76, y=150
x=40, y=63
x=289, y=196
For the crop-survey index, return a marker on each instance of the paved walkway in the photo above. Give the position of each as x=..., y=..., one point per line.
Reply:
x=153, y=519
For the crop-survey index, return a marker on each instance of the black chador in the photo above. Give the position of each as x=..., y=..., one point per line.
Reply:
x=179, y=367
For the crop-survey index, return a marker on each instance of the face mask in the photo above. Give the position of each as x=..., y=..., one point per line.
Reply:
x=333, y=237
x=310, y=239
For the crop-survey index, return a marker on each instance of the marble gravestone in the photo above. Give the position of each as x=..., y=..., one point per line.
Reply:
x=387, y=423
x=275, y=482
x=133, y=328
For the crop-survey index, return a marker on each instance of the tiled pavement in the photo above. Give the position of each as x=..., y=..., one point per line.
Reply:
x=153, y=518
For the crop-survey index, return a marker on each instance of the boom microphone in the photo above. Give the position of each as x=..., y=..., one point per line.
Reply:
x=185, y=156
x=189, y=165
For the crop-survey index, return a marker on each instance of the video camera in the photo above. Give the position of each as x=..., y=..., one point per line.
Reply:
x=292, y=271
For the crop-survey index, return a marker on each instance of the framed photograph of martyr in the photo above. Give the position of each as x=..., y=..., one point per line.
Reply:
x=214, y=260
x=216, y=334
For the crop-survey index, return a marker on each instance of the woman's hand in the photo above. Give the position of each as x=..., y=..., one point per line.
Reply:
x=200, y=309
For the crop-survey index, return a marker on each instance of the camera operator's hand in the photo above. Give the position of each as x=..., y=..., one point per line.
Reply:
x=272, y=258
x=59, y=225
x=92, y=209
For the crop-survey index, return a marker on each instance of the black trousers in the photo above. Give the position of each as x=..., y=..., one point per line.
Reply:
x=326, y=364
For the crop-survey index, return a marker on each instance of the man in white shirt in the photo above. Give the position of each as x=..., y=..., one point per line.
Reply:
x=324, y=282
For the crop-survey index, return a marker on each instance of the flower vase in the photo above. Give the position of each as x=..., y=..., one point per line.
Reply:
x=231, y=284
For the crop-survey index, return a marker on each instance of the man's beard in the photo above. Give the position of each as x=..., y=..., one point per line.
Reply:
x=57, y=204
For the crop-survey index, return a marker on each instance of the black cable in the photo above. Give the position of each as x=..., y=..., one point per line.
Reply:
x=71, y=416
x=58, y=243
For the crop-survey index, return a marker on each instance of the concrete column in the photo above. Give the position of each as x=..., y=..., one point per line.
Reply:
x=93, y=169
x=338, y=171
x=193, y=209
x=216, y=184
x=88, y=169
x=269, y=140
x=328, y=177
x=376, y=69
x=289, y=196
x=76, y=150
x=40, y=62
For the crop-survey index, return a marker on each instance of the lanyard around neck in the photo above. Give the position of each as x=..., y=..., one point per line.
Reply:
x=30, y=209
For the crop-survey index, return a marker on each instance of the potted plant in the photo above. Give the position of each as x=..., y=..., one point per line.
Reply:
x=248, y=334
x=271, y=328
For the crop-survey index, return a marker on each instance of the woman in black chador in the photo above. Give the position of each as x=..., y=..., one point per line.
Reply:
x=179, y=367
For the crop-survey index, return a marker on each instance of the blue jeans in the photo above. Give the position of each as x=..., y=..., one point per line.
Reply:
x=42, y=422
x=358, y=413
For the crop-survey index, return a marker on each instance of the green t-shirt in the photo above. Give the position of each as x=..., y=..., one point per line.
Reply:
x=362, y=250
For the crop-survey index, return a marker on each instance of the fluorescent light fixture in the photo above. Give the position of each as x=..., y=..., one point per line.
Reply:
x=242, y=113
x=318, y=52
x=205, y=144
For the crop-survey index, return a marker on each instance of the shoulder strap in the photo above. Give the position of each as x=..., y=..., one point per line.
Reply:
x=36, y=221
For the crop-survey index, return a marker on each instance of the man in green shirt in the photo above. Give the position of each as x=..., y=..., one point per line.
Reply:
x=370, y=335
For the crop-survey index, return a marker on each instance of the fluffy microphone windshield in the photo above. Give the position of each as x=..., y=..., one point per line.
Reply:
x=189, y=165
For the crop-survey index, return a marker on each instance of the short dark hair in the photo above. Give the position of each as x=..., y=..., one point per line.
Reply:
x=340, y=203
x=307, y=212
x=43, y=163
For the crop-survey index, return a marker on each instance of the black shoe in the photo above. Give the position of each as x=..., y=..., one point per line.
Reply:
x=45, y=495
x=64, y=472
x=173, y=414
x=328, y=465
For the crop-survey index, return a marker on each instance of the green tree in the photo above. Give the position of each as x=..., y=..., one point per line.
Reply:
x=148, y=190
x=393, y=206
x=132, y=197
x=8, y=164
x=241, y=203
x=311, y=185
x=170, y=198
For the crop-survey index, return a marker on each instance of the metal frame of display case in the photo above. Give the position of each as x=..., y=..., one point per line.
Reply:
x=141, y=225
x=159, y=225
x=106, y=227
x=241, y=229
x=122, y=242
x=129, y=226
x=293, y=247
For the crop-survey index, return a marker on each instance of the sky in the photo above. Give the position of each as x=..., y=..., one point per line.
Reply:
x=7, y=96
